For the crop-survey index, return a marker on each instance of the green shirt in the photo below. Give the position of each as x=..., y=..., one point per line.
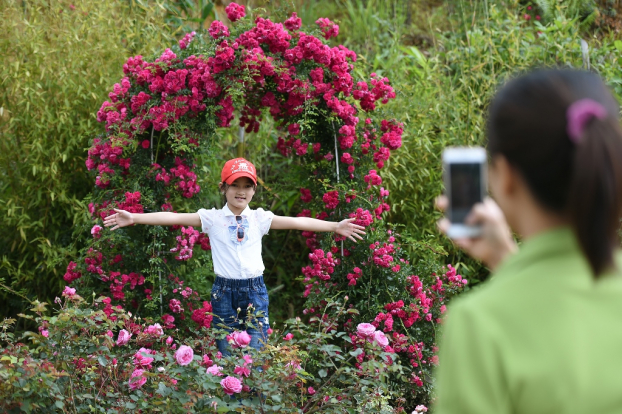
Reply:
x=542, y=336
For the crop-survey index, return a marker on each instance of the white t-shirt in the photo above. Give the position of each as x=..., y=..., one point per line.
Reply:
x=233, y=258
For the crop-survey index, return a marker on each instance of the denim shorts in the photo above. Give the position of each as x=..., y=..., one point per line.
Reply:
x=230, y=294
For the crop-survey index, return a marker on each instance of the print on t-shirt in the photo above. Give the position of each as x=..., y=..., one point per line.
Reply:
x=233, y=232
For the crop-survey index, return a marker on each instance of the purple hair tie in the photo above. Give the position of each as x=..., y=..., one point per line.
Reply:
x=579, y=114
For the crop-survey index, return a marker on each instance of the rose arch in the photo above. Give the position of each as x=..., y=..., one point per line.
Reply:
x=163, y=114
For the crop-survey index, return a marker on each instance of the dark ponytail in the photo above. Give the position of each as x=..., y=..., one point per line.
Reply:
x=580, y=176
x=596, y=192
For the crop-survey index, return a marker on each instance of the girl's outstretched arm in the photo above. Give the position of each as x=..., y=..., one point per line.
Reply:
x=345, y=227
x=124, y=218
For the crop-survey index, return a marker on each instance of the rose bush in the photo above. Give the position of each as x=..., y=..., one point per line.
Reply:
x=78, y=367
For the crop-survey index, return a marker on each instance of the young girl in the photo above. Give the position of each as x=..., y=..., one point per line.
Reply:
x=545, y=334
x=235, y=233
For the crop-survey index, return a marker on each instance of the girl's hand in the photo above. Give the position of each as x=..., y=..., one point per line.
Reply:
x=496, y=242
x=121, y=218
x=349, y=229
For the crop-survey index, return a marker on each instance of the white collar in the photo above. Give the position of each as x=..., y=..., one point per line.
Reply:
x=246, y=212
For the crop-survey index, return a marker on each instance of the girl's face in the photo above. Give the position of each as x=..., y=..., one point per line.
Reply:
x=239, y=194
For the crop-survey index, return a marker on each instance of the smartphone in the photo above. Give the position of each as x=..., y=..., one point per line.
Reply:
x=464, y=174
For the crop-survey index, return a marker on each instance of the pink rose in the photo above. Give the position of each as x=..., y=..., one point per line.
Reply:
x=365, y=330
x=141, y=357
x=239, y=339
x=169, y=340
x=45, y=332
x=235, y=11
x=184, y=355
x=380, y=338
x=311, y=391
x=96, y=230
x=231, y=385
x=243, y=371
x=288, y=337
x=69, y=292
x=124, y=337
x=154, y=329
x=215, y=370
x=137, y=380
x=207, y=362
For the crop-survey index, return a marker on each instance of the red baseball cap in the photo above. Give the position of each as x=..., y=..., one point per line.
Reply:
x=236, y=168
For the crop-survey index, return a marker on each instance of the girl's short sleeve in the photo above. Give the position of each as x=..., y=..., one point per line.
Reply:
x=207, y=219
x=264, y=220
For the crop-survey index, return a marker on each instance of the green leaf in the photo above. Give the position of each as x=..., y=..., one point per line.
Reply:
x=322, y=373
x=207, y=10
x=163, y=390
x=356, y=352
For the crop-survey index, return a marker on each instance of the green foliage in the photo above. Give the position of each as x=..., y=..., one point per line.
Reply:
x=585, y=10
x=58, y=62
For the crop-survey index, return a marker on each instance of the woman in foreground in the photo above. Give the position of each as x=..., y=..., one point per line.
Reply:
x=544, y=335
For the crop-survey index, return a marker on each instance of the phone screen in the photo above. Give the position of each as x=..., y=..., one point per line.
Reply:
x=466, y=189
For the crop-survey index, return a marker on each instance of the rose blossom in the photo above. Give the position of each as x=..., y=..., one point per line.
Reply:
x=380, y=338
x=215, y=370
x=69, y=292
x=184, y=355
x=365, y=330
x=231, y=385
x=311, y=390
x=235, y=11
x=141, y=358
x=154, y=329
x=243, y=371
x=137, y=380
x=289, y=337
x=239, y=339
x=169, y=340
x=96, y=230
x=207, y=362
x=124, y=337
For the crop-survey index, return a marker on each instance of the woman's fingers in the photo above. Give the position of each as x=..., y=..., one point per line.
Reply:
x=441, y=202
x=443, y=225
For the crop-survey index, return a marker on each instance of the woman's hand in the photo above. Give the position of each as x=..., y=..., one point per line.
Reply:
x=350, y=230
x=121, y=218
x=495, y=243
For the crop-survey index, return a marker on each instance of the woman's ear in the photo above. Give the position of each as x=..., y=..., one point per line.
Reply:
x=503, y=176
